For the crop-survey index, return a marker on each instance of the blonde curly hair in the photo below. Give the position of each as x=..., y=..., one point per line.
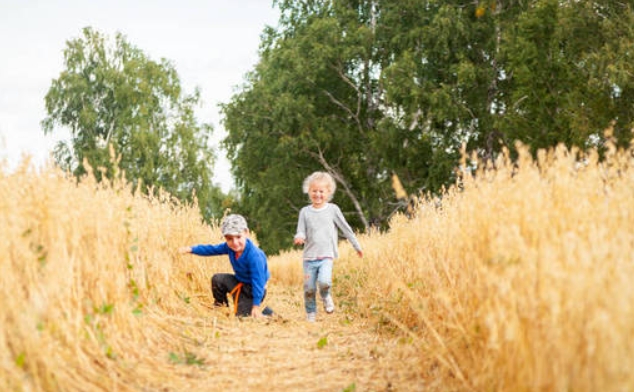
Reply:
x=320, y=176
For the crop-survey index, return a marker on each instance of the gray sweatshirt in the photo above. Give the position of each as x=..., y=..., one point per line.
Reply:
x=318, y=228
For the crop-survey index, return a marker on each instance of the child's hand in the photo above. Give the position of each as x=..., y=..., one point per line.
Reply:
x=256, y=312
x=360, y=253
x=298, y=241
x=185, y=249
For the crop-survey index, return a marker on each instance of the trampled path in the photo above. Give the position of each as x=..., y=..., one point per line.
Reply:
x=286, y=353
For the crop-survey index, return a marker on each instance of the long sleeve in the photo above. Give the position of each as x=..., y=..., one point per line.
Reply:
x=211, y=250
x=346, y=230
x=301, y=225
x=259, y=275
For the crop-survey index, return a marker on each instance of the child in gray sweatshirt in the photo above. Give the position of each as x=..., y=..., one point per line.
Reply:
x=317, y=231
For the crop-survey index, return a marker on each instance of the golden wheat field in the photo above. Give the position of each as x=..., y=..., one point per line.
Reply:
x=521, y=278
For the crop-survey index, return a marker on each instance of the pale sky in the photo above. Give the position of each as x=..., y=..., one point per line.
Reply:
x=211, y=43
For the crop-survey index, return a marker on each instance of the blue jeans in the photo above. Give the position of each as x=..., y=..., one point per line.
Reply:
x=317, y=273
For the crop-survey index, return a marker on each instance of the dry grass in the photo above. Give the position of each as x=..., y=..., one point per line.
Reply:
x=95, y=297
x=87, y=269
x=521, y=280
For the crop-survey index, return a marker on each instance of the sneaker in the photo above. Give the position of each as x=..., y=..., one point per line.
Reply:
x=329, y=304
x=310, y=317
x=267, y=311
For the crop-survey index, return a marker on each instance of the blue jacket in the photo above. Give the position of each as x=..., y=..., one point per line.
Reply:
x=251, y=268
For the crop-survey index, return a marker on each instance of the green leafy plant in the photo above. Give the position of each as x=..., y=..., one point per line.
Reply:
x=187, y=358
x=322, y=342
x=350, y=388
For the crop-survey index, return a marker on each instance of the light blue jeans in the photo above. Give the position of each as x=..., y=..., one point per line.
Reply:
x=317, y=273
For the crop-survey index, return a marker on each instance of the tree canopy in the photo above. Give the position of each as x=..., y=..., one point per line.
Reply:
x=111, y=95
x=368, y=89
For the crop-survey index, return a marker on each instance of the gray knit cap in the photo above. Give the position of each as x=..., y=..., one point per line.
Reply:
x=234, y=224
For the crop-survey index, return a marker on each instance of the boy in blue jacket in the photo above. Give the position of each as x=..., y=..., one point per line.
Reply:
x=247, y=285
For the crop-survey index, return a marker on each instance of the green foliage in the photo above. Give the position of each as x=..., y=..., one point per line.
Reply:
x=112, y=94
x=138, y=310
x=322, y=342
x=566, y=61
x=187, y=358
x=104, y=309
x=350, y=388
x=306, y=109
x=365, y=89
x=20, y=360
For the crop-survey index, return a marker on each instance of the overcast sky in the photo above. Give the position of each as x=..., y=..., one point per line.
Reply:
x=211, y=43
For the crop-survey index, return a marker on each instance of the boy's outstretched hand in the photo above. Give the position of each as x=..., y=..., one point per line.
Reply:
x=360, y=253
x=256, y=312
x=185, y=249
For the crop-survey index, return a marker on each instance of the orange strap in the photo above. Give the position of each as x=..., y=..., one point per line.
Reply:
x=236, y=290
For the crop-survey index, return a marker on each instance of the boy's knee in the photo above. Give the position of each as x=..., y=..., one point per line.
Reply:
x=218, y=280
x=324, y=286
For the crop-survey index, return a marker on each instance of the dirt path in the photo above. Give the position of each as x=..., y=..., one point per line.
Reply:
x=337, y=353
